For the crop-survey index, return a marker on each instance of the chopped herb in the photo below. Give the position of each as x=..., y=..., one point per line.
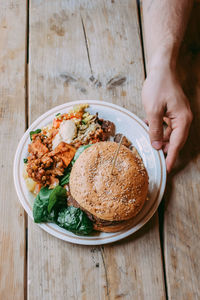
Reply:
x=58, y=114
x=25, y=160
x=34, y=132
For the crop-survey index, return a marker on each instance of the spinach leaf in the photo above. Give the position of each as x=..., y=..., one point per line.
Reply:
x=78, y=152
x=40, y=212
x=65, y=178
x=47, y=204
x=34, y=132
x=57, y=198
x=51, y=206
x=75, y=220
x=25, y=160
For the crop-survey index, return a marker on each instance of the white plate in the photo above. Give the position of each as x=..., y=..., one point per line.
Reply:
x=137, y=132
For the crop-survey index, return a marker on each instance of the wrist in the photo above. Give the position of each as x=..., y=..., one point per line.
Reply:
x=163, y=58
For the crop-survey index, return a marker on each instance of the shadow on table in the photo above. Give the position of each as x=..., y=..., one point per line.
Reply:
x=146, y=229
x=189, y=73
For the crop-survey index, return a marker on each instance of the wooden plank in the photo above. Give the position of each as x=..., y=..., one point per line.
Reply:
x=89, y=50
x=182, y=211
x=12, y=121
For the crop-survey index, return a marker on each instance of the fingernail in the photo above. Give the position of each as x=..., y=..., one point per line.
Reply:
x=157, y=145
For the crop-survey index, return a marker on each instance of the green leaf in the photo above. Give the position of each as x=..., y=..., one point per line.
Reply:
x=58, y=114
x=75, y=220
x=34, y=132
x=51, y=206
x=48, y=203
x=25, y=160
x=78, y=152
x=65, y=178
x=40, y=212
x=57, y=198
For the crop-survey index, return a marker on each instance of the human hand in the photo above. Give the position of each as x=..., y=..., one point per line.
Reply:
x=164, y=100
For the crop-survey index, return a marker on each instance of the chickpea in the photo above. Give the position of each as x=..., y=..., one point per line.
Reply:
x=41, y=172
x=59, y=164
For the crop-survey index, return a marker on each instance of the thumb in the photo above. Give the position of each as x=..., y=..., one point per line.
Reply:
x=156, y=130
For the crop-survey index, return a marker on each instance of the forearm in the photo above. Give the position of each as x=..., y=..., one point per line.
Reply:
x=165, y=22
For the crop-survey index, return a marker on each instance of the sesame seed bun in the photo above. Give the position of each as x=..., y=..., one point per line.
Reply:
x=116, y=197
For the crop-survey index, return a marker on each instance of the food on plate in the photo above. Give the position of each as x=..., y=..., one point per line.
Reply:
x=68, y=169
x=125, y=141
x=51, y=206
x=51, y=154
x=66, y=133
x=53, y=147
x=111, y=201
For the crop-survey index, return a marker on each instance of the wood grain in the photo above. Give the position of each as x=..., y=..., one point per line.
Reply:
x=89, y=50
x=182, y=209
x=181, y=231
x=12, y=122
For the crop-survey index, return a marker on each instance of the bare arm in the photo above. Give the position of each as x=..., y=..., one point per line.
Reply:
x=165, y=22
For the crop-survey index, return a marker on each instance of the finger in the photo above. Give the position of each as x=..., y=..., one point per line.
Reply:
x=167, y=129
x=167, y=134
x=165, y=147
x=177, y=140
x=167, y=121
x=156, y=130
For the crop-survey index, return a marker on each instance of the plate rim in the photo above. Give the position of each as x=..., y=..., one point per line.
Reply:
x=124, y=233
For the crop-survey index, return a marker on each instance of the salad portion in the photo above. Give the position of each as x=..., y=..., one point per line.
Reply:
x=52, y=152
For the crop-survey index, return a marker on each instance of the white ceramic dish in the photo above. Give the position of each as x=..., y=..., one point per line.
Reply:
x=137, y=132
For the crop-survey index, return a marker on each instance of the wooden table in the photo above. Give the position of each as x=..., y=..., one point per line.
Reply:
x=57, y=51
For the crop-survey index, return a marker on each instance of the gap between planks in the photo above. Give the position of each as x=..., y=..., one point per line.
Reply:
x=26, y=127
x=162, y=204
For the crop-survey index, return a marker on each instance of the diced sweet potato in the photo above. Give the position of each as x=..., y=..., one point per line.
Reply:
x=66, y=152
x=66, y=157
x=63, y=147
x=38, y=148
